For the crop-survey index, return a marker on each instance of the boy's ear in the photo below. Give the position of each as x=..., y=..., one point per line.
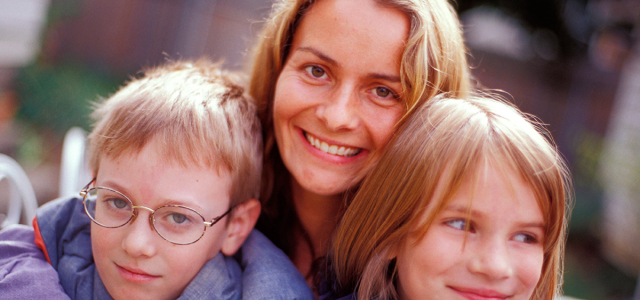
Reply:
x=243, y=219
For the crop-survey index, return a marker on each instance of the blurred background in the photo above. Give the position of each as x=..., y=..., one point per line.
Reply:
x=573, y=63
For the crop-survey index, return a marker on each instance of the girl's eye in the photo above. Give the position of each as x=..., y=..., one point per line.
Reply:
x=457, y=224
x=315, y=71
x=525, y=238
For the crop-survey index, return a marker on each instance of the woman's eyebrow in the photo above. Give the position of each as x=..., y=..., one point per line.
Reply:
x=384, y=77
x=331, y=61
x=319, y=54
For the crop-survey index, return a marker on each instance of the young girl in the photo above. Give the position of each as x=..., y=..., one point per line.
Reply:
x=469, y=201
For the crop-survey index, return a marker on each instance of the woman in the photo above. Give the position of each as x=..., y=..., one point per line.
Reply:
x=332, y=79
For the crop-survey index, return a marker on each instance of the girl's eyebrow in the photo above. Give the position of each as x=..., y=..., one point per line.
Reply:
x=478, y=214
x=331, y=61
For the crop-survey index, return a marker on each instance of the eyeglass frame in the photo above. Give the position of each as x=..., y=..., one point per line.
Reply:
x=134, y=213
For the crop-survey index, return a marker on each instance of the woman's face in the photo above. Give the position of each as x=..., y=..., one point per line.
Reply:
x=498, y=256
x=337, y=98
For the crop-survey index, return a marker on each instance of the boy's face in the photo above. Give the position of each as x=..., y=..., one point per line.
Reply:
x=133, y=261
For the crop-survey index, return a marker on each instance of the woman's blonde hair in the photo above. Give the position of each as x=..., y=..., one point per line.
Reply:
x=433, y=61
x=444, y=143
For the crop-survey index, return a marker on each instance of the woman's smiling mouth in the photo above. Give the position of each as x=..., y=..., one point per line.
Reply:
x=331, y=149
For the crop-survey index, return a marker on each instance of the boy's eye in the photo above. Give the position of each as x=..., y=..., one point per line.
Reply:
x=118, y=203
x=315, y=71
x=457, y=224
x=178, y=218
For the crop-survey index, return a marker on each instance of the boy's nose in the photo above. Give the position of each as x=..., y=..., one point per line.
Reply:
x=139, y=238
x=490, y=259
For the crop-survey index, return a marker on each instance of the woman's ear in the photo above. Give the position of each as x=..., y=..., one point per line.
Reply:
x=243, y=219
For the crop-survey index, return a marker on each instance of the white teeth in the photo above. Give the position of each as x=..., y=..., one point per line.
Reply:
x=331, y=149
x=324, y=147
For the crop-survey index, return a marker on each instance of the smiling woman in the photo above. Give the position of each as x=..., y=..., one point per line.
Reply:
x=332, y=79
x=324, y=95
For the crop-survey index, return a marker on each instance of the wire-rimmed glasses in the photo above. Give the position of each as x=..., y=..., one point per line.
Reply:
x=177, y=224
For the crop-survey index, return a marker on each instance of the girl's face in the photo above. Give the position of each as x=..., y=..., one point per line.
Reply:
x=337, y=97
x=499, y=257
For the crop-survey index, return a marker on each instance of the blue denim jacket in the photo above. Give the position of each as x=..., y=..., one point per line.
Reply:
x=259, y=271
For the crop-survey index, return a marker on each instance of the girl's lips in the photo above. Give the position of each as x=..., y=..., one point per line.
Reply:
x=331, y=149
x=135, y=275
x=480, y=294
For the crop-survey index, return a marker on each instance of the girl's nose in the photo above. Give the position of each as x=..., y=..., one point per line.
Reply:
x=339, y=111
x=490, y=259
x=140, y=235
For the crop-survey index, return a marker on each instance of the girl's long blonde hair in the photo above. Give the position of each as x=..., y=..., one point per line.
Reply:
x=433, y=61
x=443, y=143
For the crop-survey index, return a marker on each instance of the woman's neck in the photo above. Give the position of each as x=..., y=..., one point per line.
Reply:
x=318, y=216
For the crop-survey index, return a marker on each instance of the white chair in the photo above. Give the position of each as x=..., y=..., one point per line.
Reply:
x=22, y=198
x=74, y=172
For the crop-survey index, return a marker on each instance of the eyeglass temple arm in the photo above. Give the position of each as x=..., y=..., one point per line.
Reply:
x=215, y=220
x=84, y=190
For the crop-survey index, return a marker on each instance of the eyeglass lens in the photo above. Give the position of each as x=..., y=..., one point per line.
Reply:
x=112, y=209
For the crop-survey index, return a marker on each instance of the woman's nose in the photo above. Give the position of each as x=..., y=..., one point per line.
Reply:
x=339, y=110
x=490, y=258
x=140, y=235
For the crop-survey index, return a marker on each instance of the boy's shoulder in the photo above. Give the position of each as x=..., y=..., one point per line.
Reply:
x=25, y=272
x=62, y=231
x=61, y=226
x=267, y=271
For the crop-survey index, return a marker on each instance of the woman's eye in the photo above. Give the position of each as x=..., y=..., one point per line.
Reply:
x=457, y=224
x=118, y=203
x=525, y=238
x=315, y=71
x=383, y=92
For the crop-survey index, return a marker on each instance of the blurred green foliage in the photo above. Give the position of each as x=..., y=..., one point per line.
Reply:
x=58, y=97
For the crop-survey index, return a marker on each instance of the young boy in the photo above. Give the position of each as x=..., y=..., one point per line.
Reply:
x=176, y=158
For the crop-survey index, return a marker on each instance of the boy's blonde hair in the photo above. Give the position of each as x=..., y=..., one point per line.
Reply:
x=433, y=61
x=199, y=113
x=444, y=143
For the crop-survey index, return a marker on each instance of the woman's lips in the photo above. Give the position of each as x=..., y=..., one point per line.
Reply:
x=135, y=275
x=331, y=149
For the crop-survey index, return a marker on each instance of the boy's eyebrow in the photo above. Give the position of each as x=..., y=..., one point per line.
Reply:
x=115, y=186
x=164, y=201
x=333, y=62
x=192, y=205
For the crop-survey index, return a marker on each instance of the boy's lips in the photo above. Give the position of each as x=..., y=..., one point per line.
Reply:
x=331, y=149
x=134, y=274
